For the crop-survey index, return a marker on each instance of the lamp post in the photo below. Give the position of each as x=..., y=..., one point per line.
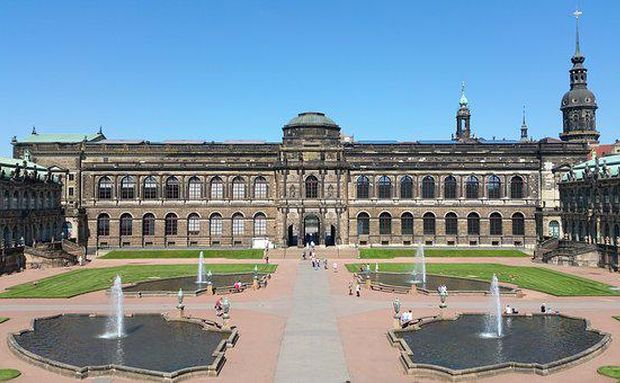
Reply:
x=396, y=307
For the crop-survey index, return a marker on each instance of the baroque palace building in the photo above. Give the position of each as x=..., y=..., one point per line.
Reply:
x=319, y=185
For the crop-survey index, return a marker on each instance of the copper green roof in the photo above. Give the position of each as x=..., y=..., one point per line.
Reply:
x=611, y=163
x=311, y=119
x=8, y=165
x=62, y=138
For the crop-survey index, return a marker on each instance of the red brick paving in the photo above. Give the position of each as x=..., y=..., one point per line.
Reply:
x=362, y=322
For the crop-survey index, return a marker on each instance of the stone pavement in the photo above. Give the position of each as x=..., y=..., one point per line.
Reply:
x=311, y=350
x=304, y=327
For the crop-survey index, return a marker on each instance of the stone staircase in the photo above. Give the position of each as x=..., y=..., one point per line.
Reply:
x=330, y=252
x=570, y=253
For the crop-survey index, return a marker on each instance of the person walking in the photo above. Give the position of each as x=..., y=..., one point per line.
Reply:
x=335, y=267
x=350, y=288
x=358, y=290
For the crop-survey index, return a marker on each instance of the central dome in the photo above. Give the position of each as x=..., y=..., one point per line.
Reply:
x=311, y=119
x=310, y=128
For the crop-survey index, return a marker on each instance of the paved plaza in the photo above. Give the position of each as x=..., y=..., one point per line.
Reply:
x=304, y=327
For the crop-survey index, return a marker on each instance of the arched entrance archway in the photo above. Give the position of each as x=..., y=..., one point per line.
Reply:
x=292, y=236
x=312, y=229
x=67, y=229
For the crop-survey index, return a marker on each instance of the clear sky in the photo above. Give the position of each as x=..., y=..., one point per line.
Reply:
x=218, y=70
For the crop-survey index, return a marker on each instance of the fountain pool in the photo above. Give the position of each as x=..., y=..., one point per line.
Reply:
x=537, y=342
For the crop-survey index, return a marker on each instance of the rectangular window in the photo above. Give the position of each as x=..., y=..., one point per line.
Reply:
x=260, y=190
x=217, y=190
x=71, y=191
x=260, y=226
x=71, y=176
x=216, y=226
x=238, y=190
x=238, y=227
x=195, y=191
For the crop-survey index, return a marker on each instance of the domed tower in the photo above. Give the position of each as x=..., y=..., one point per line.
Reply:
x=579, y=103
x=311, y=128
x=463, y=116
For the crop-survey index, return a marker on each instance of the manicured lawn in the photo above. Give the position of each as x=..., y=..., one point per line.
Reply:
x=8, y=374
x=610, y=371
x=532, y=278
x=618, y=317
x=2, y=320
x=210, y=253
x=378, y=253
x=83, y=281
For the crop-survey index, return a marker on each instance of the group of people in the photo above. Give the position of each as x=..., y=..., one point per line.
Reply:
x=357, y=287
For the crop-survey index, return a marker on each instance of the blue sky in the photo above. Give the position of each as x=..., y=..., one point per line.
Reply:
x=219, y=70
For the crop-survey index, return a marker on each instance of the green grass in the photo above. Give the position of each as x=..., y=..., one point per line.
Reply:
x=610, y=371
x=2, y=319
x=210, y=253
x=84, y=281
x=378, y=253
x=618, y=317
x=531, y=278
x=8, y=374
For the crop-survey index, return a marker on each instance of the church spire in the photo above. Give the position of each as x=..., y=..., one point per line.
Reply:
x=463, y=115
x=579, y=103
x=523, y=127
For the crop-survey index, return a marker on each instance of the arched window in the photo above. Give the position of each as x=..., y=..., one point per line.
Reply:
x=103, y=225
x=260, y=188
x=194, y=189
x=385, y=187
x=518, y=224
x=495, y=224
x=104, y=191
x=363, y=224
x=516, y=187
x=238, y=188
x=172, y=188
x=449, y=187
x=406, y=187
x=452, y=224
x=193, y=224
x=363, y=187
x=215, y=224
x=260, y=225
x=385, y=223
x=126, y=226
x=217, y=188
x=473, y=224
x=494, y=187
x=148, y=224
x=149, y=190
x=5, y=200
x=32, y=201
x=171, y=224
x=428, y=223
x=238, y=224
x=406, y=224
x=15, y=201
x=472, y=187
x=428, y=187
x=554, y=227
x=312, y=187
x=128, y=187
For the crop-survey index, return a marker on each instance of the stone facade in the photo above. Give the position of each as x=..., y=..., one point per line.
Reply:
x=314, y=186
x=30, y=203
x=590, y=201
